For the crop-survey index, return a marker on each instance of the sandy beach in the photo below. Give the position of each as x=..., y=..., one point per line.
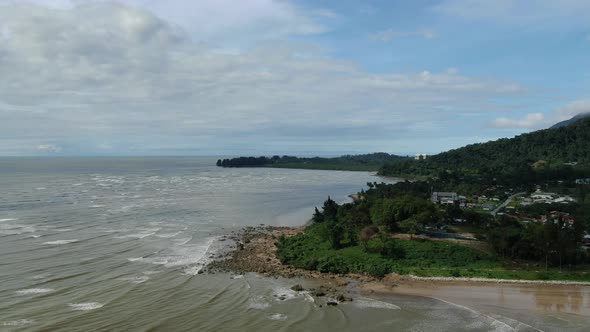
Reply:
x=256, y=253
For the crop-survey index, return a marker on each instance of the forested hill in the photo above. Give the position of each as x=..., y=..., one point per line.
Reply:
x=572, y=120
x=555, y=152
x=365, y=162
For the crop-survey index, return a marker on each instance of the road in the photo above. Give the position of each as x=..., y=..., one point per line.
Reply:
x=506, y=202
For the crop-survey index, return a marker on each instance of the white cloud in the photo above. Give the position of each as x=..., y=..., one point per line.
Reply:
x=75, y=77
x=530, y=121
x=222, y=21
x=517, y=11
x=391, y=34
x=52, y=148
x=539, y=120
x=572, y=109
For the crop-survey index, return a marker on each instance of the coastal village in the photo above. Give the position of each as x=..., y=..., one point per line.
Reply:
x=511, y=204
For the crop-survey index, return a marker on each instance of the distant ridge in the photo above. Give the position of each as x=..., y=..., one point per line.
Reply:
x=572, y=120
x=555, y=153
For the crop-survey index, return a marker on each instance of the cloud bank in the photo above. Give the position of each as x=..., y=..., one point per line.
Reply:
x=112, y=77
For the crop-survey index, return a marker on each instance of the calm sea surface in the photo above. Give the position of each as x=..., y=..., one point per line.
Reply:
x=116, y=244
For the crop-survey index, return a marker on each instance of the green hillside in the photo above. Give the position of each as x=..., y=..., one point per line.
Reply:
x=551, y=153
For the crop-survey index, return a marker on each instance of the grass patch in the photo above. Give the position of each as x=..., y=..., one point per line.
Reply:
x=423, y=258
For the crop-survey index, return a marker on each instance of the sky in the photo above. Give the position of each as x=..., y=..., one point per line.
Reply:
x=297, y=77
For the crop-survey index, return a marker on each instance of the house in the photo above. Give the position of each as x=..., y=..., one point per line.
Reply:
x=444, y=197
x=421, y=156
x=541, y=196
x=582, y=181
x=556, y=216
x=564, y=200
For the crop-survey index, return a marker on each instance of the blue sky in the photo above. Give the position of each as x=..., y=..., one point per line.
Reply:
x=183, y=77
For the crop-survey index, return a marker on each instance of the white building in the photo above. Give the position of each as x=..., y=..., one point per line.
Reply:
x=421, y=156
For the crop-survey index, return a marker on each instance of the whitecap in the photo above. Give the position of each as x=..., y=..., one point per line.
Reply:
x=364, y=303
x=167, y=235
x=13, y=229
x=136, y=280
x=134, y=259
x=59, y=242
x=85, y=306
x=8, y=219
x=258, y=303
x=150, y=272
x=134, y=236
x=96, y=206
x=33, y=291
x=19, y=322
x=183, y=240
x=282, y=293
x=277, y=317
x=193, y=270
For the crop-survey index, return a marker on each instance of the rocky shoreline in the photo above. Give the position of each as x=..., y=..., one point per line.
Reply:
x=255, y=249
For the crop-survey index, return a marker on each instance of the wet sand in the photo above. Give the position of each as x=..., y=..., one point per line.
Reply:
x=554, y=300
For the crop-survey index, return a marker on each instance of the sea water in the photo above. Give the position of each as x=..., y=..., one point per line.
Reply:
x=117, y=244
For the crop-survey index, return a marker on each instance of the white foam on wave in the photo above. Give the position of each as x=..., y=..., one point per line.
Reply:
x=283, y=293
x=96, y=206
x=85, y=306
x=277, y=317
x=135, y=280
x=60, y=242
x=33, y=291
x=35, y=236
x=8, y=219
x=258, y=303
x=111, y=230
x=134, y=236
x=193, y=256
x=64, y=230
x=134, y=259
x=365, y=303
x=19, y=322
x=168, y=235
x=143, y=233
x=150, y=272
x=496, y=324
x=184, y=240
x=15, y=229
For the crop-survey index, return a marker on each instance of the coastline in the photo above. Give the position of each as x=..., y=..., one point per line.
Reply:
x=255, y=252
x=506, y=301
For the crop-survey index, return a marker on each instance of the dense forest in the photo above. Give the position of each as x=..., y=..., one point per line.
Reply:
x=559, y=153
x=365, y=162
x=376, y=233
x=362, y=236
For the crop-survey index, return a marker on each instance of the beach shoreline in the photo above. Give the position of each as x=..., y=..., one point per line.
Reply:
x=255, y=252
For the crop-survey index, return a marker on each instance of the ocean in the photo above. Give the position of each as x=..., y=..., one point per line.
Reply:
x=117, y=244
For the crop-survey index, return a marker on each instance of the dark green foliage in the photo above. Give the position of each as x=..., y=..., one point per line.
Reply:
x=384, y=255
x=365, y=162
x=357, y=237
x=529, y=158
